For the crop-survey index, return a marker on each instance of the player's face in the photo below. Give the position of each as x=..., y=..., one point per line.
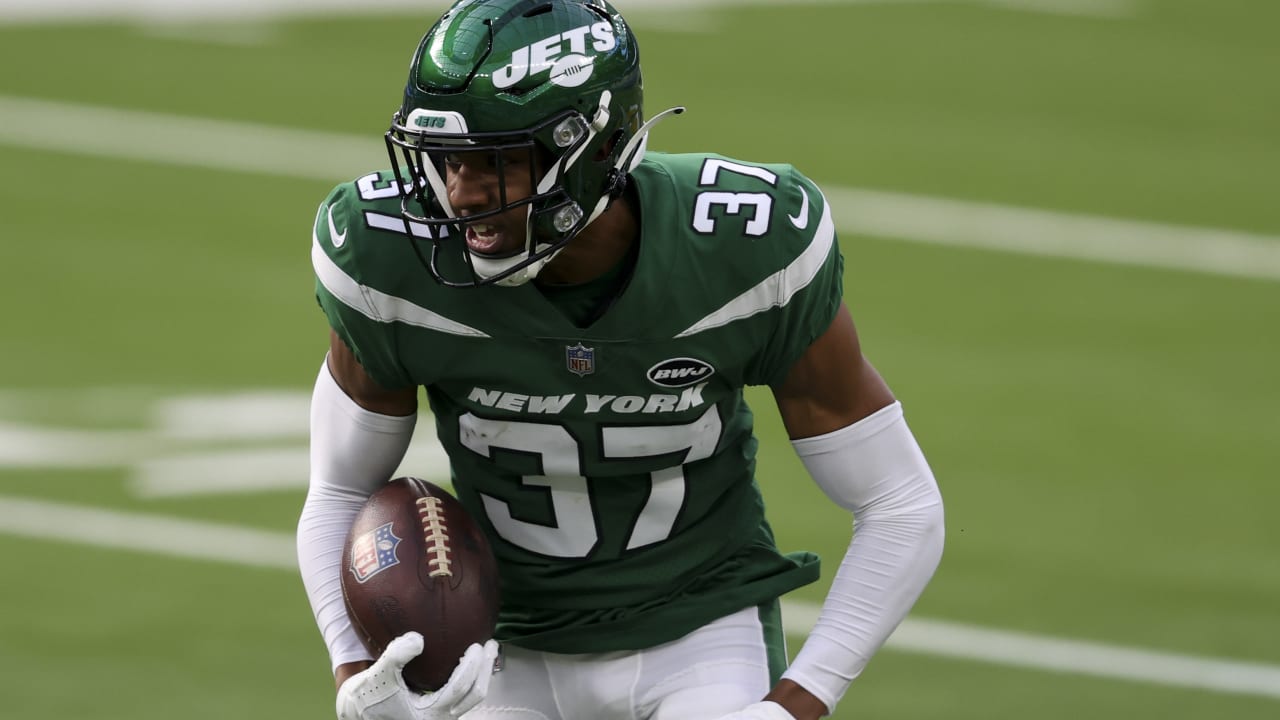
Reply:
x=481, y=181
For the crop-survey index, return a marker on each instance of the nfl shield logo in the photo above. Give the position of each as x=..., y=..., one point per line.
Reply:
x=373, y=552
x=581, y=360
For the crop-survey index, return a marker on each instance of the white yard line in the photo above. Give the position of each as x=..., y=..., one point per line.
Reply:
x=185, y=141
x=153, y=11
x=198, y=540
x=197, y=444
x=1103, y=9
x=246, y=415
x=219, y=472
x=1056, y=234
x=243, y=471
x=333, y=157
x=28, y=446
x=1041, y=652
x=176, y=537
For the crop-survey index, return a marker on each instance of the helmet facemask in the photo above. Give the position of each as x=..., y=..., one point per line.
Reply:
x=423, y=145
x=554, y=81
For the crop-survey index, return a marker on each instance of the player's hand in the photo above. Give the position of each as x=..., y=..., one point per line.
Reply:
x=763, y=710
x=379, y=692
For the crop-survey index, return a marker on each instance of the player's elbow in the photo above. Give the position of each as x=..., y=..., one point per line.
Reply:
x=931, y=522
x=928, y=525
x=913, y=518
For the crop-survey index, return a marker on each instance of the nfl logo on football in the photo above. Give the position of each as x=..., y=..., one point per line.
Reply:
x=580, y=360
x=373, y=552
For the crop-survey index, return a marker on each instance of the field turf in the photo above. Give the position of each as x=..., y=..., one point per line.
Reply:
x=1105, y=435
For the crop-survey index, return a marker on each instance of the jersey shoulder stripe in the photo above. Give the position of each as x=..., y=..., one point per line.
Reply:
x=370, y=302
x=777, y=289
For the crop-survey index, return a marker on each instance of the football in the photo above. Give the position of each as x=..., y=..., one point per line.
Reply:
x=416, y=560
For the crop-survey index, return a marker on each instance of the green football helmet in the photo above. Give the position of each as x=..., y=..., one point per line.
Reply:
x=557, y=79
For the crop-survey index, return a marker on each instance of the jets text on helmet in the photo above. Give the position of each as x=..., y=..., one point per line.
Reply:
x=541, y=56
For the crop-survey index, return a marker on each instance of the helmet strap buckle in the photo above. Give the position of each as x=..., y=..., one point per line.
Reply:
x=601, y=119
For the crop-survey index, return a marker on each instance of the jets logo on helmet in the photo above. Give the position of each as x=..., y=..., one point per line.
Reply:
x=554, y=81
x=546, y=54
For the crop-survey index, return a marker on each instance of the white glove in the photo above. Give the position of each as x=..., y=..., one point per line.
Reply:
x=763, y=710
x=379, y=691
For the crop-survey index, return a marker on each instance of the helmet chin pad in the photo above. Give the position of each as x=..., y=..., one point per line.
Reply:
x=517, y=269
x=486, y=268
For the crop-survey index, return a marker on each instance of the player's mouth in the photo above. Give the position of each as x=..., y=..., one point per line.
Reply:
x=485, y=239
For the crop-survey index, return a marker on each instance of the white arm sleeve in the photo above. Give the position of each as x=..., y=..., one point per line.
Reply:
x=874, y=468
x=353, y=452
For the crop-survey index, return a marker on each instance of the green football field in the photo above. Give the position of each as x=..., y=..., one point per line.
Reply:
x=1061, y=221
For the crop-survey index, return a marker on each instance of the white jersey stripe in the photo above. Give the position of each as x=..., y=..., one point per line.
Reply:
x=377, y=305
x=777, y=289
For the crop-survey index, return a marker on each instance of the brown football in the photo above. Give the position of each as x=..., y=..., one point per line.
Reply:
x=416, y=560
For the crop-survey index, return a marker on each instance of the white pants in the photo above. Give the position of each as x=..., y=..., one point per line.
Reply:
x=712, y=671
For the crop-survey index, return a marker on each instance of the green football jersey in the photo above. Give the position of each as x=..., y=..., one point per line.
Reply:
x=612, y=466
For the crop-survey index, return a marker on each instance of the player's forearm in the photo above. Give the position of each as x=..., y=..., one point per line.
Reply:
x=353, y=452
x=322, y=530
x=880, y=578
x=875, y=469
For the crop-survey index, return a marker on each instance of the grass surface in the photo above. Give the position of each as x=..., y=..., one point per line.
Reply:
x=1104, y=435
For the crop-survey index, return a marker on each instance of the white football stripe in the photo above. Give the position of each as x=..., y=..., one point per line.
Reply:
x=200, y=540
x=250, y=148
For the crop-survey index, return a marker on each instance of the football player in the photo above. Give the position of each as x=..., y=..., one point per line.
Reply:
x=583, y=316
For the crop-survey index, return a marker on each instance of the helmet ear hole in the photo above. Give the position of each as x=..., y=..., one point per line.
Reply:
x=610, y=148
